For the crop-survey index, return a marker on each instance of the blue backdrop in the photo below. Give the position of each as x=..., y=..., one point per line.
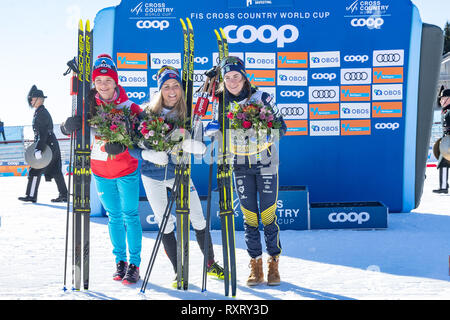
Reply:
x=343, y=73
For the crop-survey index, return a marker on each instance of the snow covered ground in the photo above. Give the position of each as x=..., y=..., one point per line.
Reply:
x=409, y=260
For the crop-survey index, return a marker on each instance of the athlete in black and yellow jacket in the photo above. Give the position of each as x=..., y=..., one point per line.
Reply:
x=256, y=173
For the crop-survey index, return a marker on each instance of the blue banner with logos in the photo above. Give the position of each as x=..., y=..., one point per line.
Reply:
x=342, y=74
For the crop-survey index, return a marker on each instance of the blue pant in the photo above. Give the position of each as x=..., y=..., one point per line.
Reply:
x=120, y=198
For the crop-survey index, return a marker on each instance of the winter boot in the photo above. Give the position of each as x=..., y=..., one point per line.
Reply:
x=121, y=270
x=215, y=270
x=441, y=191
x=273, y=276
x=132, y=275
x=256, y=276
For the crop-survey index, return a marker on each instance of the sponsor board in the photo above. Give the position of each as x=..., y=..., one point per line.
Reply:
x=132, y=60
x=391, y=109
x=132, y=78
x=355, y=93
x=297, y=127
x=355, y=127
x=292, y=60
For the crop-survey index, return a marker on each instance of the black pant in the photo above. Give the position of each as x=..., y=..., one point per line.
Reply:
x=443, y=178
x=34, y=178
x=249, y=183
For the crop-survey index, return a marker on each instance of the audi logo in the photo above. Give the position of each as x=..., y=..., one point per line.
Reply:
x=292, y=111
x=388, y=57
x=199, y=77
x=324, y=93
x=355, y=76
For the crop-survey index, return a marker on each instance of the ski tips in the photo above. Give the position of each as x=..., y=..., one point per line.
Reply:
x=182, y=23
x=88, y=26
x=189, y=23
x=80, y=24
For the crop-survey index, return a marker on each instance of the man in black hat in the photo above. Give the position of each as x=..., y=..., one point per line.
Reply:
x=444, y=164
x=44, y=136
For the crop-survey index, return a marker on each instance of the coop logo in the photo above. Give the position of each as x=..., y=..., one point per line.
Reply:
x=324, y=128
x=387, y=92
x=356, y=58
x=387, y=126
x=291, y=93
x=260, y=60
x=324, y=76
x=201, y=60
x=292, y=77
x=371, y=22
x=341, y=217
x=136, y=95
x=133, y=78
x=160, y=59
x=153, y=24
x=325, y=59
x=266, y=34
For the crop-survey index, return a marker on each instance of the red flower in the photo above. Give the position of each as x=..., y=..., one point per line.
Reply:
x=269, y=124
x=113, y=127
x=246, y=124
x=230, y=115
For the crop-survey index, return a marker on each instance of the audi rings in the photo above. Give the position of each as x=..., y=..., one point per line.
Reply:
x=323, y=94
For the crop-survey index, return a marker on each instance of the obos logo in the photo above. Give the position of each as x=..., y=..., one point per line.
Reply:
x=340, y=217
x=260, y=60
x=292, y=77
x=325, y=59
x=152, y=24
x=160, y=59
x=133, y=78
x=266, y=34
x=324, y=128
x=387, y=92
x=371, y=22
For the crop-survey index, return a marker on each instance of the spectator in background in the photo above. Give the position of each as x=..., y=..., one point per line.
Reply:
x=444, y=164
x=2, y=129
x=44, y=136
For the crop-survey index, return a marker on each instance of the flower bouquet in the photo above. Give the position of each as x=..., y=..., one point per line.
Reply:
x=157, y=133
x=254, y=126
x=115, y=125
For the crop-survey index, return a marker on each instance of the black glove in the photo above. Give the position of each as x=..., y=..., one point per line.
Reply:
x=71, y=124
x=114, y=148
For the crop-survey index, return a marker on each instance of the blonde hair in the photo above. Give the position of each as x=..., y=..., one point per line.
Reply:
x=156, y=104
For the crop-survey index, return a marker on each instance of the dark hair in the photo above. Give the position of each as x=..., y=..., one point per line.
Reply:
x=247, y=85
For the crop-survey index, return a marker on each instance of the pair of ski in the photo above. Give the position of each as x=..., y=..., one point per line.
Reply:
x=80, y=151
x=181, y=186
x=181, y=189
